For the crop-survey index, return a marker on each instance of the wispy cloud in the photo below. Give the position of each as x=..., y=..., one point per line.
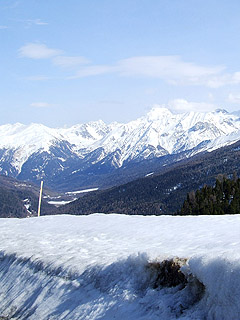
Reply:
x=28, y=23
x=69, y=62
x=37, y=22
x=171, y=69
x=37, y=51
x=41, y=105
x=94, y=71
x=3, y=27
x=224, y=80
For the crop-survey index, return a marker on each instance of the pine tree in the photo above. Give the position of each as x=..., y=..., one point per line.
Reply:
x=223, y=198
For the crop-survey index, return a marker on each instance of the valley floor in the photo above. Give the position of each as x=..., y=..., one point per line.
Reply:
x=109, y=267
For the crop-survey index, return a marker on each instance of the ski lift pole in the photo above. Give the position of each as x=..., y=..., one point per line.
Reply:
x=40, y=199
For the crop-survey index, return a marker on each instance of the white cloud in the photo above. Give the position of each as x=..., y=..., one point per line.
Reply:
x=37, y=51
x=234, y=98
x=41, y=105
x=220, y=81
x=37, y=22
x=171, y=69
x=236, y=77
x=32, y=22
x=68, y=62
x=93, y=71
x=182, y=105
x=224, y=80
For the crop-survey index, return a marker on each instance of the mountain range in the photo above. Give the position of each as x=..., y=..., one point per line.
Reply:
x=102, y=155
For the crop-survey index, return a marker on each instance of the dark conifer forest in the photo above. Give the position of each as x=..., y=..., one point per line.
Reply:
x=222, y=198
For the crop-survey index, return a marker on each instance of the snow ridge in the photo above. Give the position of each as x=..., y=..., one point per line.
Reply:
x=73, y=270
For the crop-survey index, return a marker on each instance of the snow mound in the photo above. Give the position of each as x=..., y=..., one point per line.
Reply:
x=127, y=289
x=120, y=267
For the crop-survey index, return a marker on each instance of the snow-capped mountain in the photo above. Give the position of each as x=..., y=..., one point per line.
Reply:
x=35, y=151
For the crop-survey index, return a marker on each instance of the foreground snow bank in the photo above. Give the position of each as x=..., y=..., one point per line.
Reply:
x=107, y=267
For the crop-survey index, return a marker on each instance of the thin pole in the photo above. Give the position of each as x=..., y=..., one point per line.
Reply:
x=40, y=199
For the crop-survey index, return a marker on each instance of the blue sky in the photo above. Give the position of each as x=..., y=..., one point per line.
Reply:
x=72, y=61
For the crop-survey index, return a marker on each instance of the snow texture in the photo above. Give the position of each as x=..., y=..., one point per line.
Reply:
x=102, y=267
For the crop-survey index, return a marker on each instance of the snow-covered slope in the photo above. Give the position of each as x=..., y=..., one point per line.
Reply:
x=109, y=267
x=26, y=140
x=162, y=132
x=36, y=151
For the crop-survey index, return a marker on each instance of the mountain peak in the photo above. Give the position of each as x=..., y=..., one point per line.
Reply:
x=221, y=111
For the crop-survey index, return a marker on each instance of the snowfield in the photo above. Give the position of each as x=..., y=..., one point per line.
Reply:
x=109, y=267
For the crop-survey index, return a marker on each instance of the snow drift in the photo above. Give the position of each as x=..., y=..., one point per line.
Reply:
x=120, y=267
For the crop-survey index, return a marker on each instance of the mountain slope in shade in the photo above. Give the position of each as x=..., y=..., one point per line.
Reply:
x=20, y=199
x=164, y=193
x=62, y=155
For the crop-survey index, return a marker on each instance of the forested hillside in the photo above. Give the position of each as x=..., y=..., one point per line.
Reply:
x=163, y=193
x=19, y=199
x=223, y=198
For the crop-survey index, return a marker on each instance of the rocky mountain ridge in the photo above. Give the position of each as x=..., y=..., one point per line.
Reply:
x=61, y=155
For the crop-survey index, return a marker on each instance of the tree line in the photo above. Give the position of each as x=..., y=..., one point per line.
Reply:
x=222, y=198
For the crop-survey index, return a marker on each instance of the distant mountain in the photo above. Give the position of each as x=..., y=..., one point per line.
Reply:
x=99, y=155
x=20, y=199
x=237, y=113
x=163, y=193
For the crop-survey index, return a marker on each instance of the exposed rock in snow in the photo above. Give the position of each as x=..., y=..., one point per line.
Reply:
x=36, y=148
